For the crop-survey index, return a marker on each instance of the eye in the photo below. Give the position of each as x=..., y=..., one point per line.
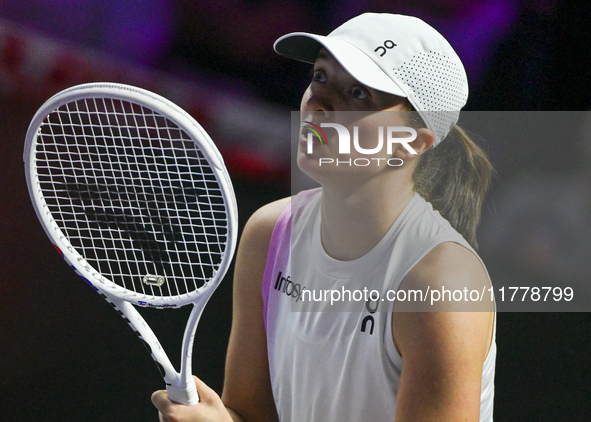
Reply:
x=319, y=76
x=359, y=93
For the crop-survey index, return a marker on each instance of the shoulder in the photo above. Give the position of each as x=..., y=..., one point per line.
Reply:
x=256, y=236
x=448, y=266
x=261, y=224
x=455, y=286
x=449, y=260
x=250, y=265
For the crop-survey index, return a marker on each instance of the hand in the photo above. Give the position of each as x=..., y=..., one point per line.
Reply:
x=209, y=409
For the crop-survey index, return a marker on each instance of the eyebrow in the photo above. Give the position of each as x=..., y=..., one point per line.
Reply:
x=322, y=54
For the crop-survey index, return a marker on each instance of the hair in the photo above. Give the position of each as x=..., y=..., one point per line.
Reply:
x=454, y=177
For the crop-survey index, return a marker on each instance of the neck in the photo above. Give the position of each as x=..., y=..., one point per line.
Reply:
x=353, y=222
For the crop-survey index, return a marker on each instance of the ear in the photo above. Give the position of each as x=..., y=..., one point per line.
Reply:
x=423, y=143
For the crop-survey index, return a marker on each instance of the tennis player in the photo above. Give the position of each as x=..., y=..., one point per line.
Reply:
x=398, y=228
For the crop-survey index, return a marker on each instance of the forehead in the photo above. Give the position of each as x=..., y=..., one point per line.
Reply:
x=325, y=58
x=323, y=54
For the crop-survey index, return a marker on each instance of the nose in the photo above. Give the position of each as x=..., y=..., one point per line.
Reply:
x=319, y=98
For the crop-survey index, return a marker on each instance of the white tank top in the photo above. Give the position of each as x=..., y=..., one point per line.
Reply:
x=340, y=366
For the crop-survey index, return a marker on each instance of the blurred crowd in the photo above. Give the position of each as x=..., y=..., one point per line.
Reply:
x=519, y=54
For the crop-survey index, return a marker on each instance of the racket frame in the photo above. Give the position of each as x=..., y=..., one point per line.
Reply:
x=180, y=385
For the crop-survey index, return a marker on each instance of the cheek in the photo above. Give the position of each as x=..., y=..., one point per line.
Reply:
x=373, y=142
x=305, y=99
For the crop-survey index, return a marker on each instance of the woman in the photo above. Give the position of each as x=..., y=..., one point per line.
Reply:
x=369, y=227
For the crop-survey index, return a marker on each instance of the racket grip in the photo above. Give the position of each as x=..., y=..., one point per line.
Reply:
x=183, y=394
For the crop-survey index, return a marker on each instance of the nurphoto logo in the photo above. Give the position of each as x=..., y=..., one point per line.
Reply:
x=386, y=136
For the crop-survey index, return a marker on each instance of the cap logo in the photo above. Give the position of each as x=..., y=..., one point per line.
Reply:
x=388, y=44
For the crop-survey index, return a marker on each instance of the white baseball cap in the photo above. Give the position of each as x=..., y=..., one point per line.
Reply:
x=396, y=54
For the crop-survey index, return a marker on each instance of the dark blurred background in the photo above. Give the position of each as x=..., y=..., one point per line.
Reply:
x=66, y=356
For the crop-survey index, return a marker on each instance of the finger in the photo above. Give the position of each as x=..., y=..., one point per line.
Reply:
x=160, y=400
x=206, y=393
x=162, y=403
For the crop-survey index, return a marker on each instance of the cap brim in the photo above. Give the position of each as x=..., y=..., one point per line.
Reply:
x=304, y=47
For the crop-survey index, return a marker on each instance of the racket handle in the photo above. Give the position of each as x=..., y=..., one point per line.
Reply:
x=183, y=394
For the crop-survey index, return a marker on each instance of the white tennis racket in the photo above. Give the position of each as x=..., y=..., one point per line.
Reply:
x=136, y=198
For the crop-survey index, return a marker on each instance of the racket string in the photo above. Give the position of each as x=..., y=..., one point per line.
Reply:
x=124, y=180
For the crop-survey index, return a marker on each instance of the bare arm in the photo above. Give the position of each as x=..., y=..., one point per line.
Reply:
x=247, y=392
x=443, y=352
x=247, y=387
